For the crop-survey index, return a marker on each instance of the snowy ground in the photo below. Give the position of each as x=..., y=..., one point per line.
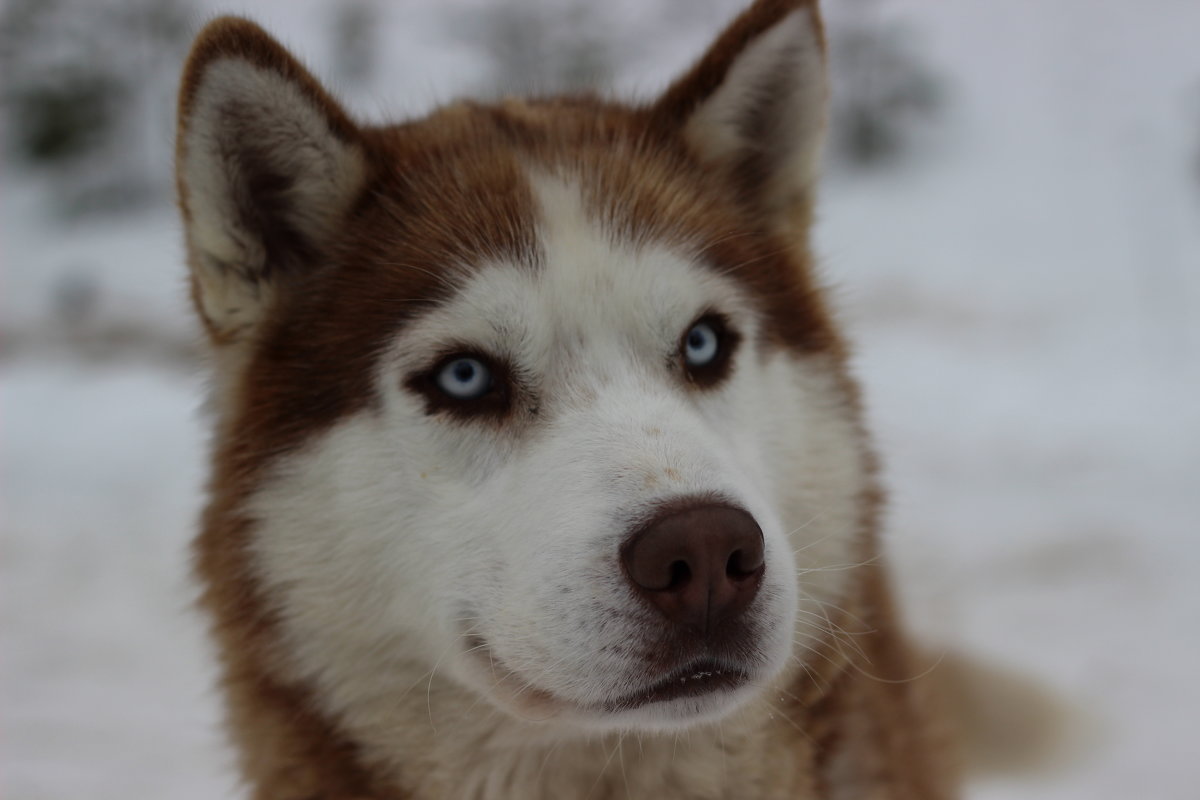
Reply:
x=1026, y=298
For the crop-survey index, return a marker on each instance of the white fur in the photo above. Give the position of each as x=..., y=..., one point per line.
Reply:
x=780, y=77
x=243, y=112
x=397, y=541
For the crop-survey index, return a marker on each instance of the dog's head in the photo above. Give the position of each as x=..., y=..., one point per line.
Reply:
x=540, y=396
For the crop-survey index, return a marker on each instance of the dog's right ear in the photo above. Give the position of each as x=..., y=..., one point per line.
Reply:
x=267, y=164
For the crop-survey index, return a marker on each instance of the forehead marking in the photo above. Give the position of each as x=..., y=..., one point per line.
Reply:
x=591, y=263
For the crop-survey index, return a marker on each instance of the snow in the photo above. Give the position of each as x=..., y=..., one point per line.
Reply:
x=1025, y=295
x=104, y=672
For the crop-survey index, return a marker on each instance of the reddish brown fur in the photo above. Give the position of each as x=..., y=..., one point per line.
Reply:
x=311, y=364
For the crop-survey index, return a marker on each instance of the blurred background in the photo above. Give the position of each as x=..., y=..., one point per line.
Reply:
x=1011, y=219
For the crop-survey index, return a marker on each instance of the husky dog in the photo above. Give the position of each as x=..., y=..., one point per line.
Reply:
x=538, y=471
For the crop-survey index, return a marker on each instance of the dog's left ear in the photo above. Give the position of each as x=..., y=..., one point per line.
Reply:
x=755, y=104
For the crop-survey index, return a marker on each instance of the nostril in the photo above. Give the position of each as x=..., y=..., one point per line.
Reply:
x=742, y=565
x=733, y=568
x=680, y=573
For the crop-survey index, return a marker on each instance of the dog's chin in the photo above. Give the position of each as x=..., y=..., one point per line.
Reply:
x=698, y=692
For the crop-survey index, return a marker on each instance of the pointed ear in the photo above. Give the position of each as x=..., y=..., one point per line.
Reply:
x=755, y=104
x=267, y=164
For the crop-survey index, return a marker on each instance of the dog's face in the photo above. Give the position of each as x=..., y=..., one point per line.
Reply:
x=540, y=398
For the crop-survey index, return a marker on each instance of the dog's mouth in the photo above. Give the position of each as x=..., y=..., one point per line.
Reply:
x=698, y=678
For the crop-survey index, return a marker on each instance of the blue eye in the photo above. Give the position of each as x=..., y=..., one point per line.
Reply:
x=464, y=378
x=701, y=345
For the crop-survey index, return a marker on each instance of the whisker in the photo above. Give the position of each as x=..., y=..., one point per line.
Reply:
x=837, y=634
x=791, y=721
x=824, y=656
x=815, y=517
x=842, y=611
x=603, y=769
x=624, y=775
x=537, y=779
x=429, y=689
x=900, y=681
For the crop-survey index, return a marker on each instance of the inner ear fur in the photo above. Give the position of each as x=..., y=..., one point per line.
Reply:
x=267, y=165
x=756, y=105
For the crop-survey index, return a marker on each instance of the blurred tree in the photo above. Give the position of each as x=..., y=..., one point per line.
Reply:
x=355, y=44
x=1196, y=123
x=58, y=118
x=883, y=91
x=541, y=47
x=86, y=91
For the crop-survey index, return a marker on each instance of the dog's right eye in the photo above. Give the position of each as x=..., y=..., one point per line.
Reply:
x=465, y=385
x=464, y=378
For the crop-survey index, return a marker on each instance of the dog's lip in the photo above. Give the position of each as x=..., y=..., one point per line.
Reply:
x=695, y=679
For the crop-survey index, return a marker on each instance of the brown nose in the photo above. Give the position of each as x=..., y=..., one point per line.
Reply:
x=698, y=566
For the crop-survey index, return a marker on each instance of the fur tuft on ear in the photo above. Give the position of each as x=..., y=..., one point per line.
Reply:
x=267, y=163
x=755, y=104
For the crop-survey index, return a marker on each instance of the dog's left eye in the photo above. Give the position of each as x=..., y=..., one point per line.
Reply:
x=464, y=378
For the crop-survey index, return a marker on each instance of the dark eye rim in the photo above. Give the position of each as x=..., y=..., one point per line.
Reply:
x=708, y=375
x=495, y=402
